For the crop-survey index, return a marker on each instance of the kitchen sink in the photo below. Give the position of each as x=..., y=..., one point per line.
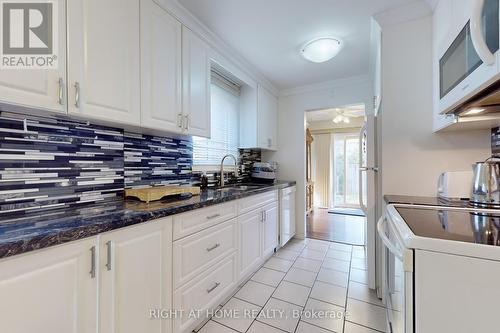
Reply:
x=241, y=187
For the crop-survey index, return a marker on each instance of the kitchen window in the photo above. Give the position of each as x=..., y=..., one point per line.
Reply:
x=224, y=123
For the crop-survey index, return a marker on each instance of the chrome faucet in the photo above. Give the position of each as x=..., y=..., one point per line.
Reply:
x=222, y=168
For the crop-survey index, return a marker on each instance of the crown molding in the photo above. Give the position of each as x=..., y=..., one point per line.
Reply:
x=432, y=3
x=217, y=43
x=354, y=80
x=409, y=12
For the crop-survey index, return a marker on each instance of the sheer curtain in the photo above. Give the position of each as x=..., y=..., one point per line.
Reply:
x=321, y=170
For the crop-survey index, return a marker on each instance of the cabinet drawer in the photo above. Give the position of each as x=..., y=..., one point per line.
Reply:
x=188, y=223
x=204, y=293
x=195, y=253
x=251, y=203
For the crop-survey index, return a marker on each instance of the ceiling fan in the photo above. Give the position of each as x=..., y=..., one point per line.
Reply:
x=341, y=117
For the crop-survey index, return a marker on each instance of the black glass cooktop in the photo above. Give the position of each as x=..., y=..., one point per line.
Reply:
x=465, y=226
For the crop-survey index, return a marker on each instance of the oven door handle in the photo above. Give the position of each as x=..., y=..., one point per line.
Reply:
x=482, y=49
x=387, y=242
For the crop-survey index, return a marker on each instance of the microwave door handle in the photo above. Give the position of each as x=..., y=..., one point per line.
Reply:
x=478, y=41
x=387, y=242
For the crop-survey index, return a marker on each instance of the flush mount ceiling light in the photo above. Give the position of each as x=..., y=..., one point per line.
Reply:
x=321, y=49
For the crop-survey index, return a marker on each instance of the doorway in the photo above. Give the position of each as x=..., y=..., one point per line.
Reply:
x=346, y=165
x=337, y=152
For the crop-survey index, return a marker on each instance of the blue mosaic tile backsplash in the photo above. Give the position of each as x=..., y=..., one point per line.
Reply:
x=153, y=160
x=49, y=163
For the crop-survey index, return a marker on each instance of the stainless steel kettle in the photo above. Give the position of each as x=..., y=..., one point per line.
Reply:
x=485, y=185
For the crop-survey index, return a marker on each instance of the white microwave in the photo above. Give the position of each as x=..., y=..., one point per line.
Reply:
x=471, y=62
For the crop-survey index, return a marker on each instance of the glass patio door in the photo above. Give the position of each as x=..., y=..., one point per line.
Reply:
x=346, y=169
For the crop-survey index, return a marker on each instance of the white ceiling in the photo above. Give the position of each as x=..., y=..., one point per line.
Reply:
x=270, y=33
x=357, y=110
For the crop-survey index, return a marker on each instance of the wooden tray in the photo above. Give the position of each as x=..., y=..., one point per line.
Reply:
x=156, y=193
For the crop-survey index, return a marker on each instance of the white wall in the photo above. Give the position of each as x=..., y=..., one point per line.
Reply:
x=413, y=156
x=292, y=124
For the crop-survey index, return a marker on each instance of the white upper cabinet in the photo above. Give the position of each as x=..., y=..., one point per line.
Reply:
x=104, y=66
x=267, y=119
x=258, y=118
x=196, y=84
x=39, y=88
x=54, y=290
x=161, y=69
x=136, y=275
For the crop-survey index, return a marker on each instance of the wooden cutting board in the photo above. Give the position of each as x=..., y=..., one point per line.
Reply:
x=158, y=192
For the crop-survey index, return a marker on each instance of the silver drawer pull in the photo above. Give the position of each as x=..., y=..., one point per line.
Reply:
x=108, y=258
x=213, y=247
x=92, y=262
x=209, y=290
x=60, y=95
x=212, y=216
x=77, y=94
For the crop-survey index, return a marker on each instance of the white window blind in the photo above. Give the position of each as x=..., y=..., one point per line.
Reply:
x=224, y=127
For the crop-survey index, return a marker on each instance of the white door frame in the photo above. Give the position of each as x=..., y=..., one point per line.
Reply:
x=371, y=195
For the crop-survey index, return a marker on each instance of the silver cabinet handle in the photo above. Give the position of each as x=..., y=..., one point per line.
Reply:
x=209, y=290
x=216, y=245
x=269, y=143
x=108, y=258
x=212, y=216
x=92, y=262
x=180, y=120
x=262, y=216
x=61, y=87
x=77, y=94
x=265, y=215
x=186, y=122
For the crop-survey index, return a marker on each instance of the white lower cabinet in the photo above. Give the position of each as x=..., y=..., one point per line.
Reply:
x=204, y=293
x=135, y=268
x=51, y=291
x=118, y=282
x=250, y=242
x=270, y=230
x=196, y=253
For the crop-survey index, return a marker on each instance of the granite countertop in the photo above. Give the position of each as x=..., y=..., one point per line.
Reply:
x=426, y=201
x=52, y=227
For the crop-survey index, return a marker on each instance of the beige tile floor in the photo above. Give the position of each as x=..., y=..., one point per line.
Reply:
x=308, y=286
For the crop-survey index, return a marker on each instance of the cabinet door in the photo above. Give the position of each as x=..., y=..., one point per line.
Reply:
x=250, y=241
x=136, y=277
x=270, y=230
x=51, y=290
x=196, y=84
x=103, y=66
x=267, y=119
x=161, y=89
x=39, y=88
